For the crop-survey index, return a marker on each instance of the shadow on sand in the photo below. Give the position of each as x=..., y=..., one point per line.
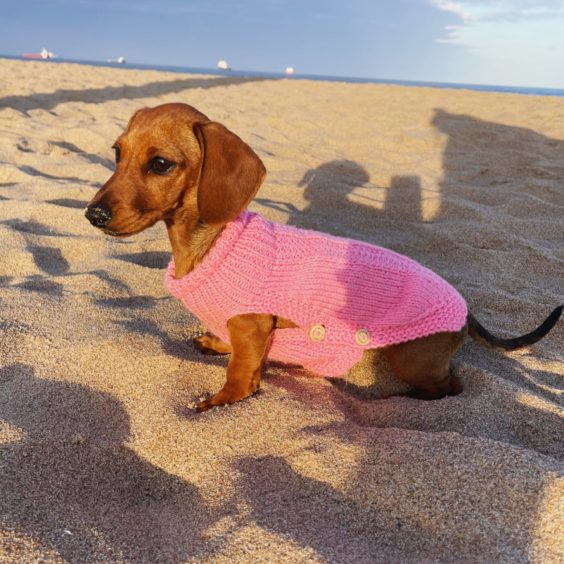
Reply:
x=114, y=503
x=50, y=100
x=466, y=496
x=87, y=492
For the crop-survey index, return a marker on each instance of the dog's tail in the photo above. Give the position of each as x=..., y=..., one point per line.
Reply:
x=484, y=337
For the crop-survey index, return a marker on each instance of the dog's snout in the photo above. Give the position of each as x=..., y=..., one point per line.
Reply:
x=98, y=216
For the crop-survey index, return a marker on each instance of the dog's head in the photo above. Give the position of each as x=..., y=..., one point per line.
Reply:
x=172, y=161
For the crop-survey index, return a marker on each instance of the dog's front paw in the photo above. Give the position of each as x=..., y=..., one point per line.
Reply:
x=205, y=405
x=228, y=395
x=210, y=344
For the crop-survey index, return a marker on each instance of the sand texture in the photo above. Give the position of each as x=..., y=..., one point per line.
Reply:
x=102, y=457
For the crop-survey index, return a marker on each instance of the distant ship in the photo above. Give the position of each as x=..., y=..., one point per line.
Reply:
x=120, y=60
x=289, y=70
x=222, y=64
x=43, y=54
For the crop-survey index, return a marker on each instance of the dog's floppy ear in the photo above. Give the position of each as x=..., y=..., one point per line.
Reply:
x=230, y=175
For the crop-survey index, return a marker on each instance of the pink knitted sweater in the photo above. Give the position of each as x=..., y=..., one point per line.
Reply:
x=345, y=296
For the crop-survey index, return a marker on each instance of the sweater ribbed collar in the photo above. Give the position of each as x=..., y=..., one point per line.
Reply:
x=213, y=258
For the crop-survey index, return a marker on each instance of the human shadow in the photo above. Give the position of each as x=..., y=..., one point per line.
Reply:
x=400, y=500
x=498, y=159
x=331, y=182
x=500, y=206
x=328, y=187
x=494, y=174
x=311, y=513
x=496, y=179
x=341, y=200
x=497, y=191
x=72, y=484
x=50, y=100
x=425, y=458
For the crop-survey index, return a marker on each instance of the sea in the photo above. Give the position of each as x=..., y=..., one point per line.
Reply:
x=529, y=91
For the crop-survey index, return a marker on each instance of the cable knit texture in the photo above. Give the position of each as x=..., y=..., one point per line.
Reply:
x=345, y=296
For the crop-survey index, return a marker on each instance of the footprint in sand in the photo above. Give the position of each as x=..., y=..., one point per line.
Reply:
x=31, y=171
x=150, y=259
x=34, y=228
x=69, y=203
x=136, y=302
x=49, y=259
x=42, y=285
x=92, y=158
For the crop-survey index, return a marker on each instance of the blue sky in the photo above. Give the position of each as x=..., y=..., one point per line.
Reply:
x=504, y=42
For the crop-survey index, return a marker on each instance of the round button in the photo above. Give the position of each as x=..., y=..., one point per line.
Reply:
x=362, y=337
x=317, y=333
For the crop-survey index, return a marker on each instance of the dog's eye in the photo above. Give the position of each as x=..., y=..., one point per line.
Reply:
x=118, y=152
x=160, y=165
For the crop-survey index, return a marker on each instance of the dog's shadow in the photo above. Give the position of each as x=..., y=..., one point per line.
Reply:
x=70, y=481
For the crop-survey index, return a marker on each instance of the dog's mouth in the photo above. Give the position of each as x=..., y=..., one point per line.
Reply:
x=132, y=227
x=116, y=233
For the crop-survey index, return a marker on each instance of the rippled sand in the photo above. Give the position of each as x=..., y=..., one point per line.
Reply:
x=101, y=454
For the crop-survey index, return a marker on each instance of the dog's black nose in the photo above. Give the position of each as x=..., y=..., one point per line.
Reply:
x=98, y=216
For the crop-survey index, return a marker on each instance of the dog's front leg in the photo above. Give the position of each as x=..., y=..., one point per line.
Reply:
x=250, y=336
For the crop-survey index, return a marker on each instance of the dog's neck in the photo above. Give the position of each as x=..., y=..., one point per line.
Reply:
x=190, y=241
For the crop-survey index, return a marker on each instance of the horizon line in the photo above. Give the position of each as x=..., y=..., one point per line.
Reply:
x=508, y=89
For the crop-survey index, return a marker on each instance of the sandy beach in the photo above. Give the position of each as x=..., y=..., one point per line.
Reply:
x=102, y=456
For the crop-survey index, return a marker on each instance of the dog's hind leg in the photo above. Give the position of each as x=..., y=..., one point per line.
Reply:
x=424, y=364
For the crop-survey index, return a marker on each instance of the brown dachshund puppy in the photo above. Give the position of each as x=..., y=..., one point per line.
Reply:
x=175, y=165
